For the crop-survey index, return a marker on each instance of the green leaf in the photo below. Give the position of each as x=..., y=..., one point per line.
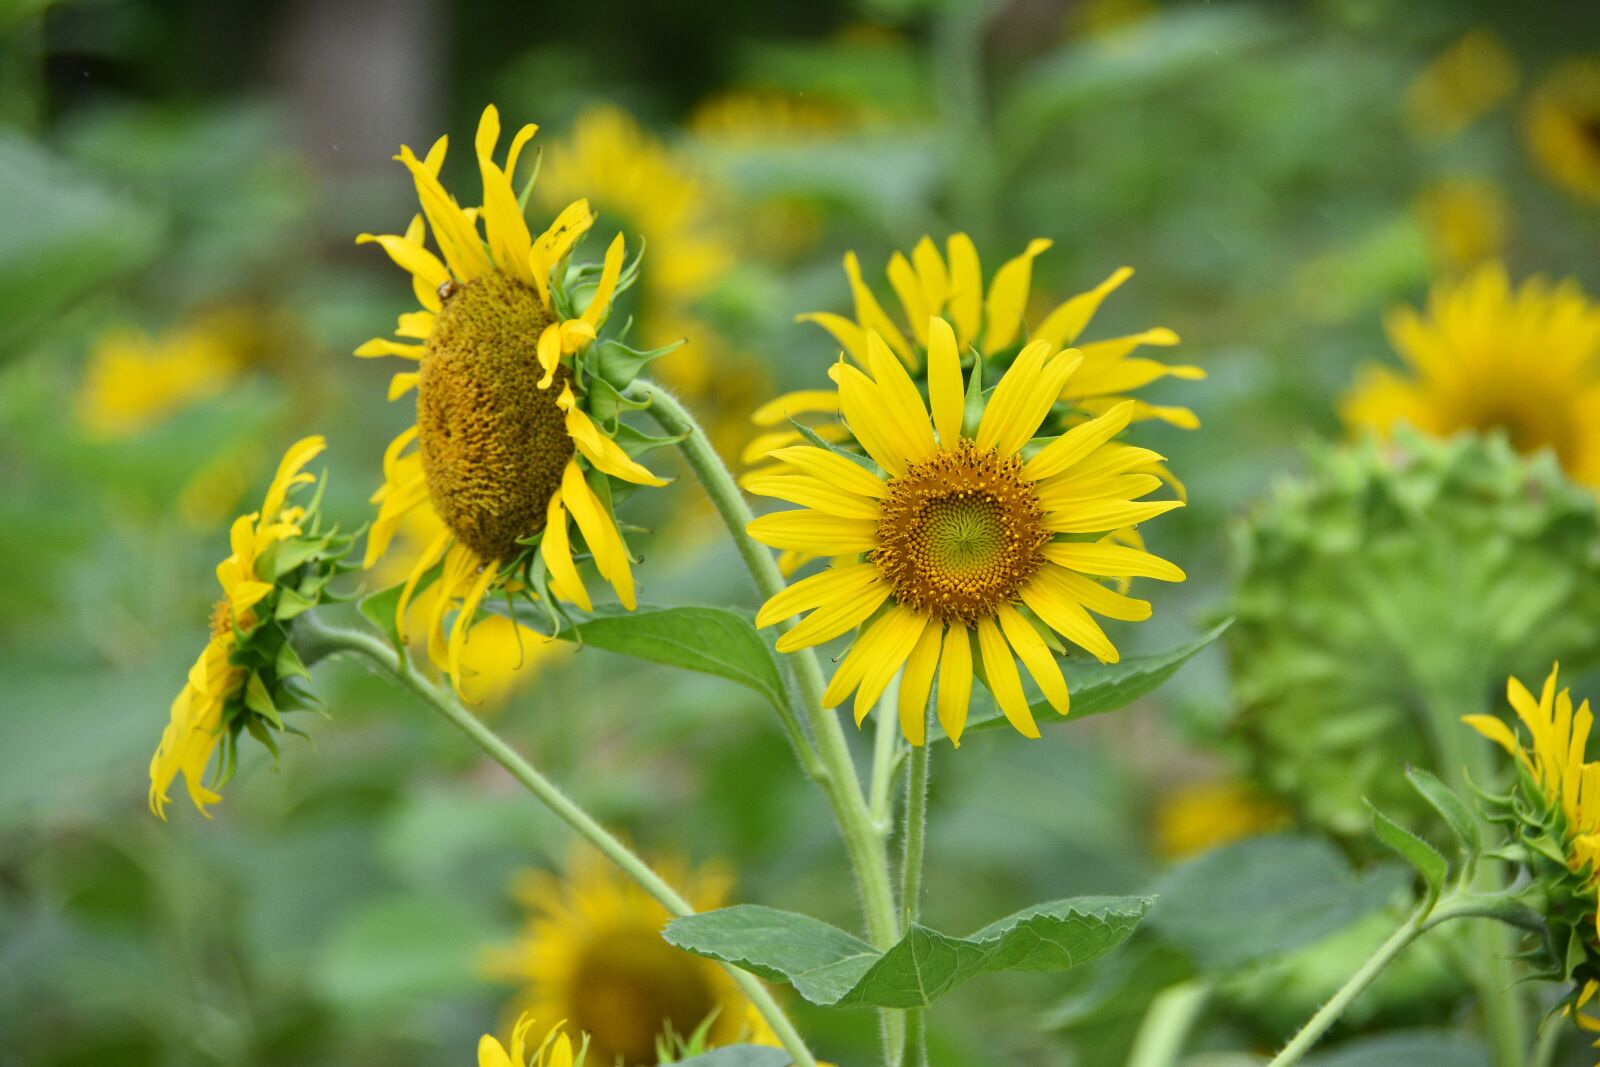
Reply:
x=972, y=403
x=815, y=439
x=380, y=610
x=829, y=967
x=1455, y=812
x=258, y=700
x=1098, y=688
x=710, y=640
x=619, y=364
x=740, y=1056
x=291, y=602
x=288, y=663
x=1263, y=897
x=1414, y=850
x=636, y=442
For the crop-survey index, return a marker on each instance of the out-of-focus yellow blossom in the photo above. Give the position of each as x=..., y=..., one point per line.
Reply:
x=1201, y=816
x=592, y=954
x=217, y=684
x=133, y=380
x=1466, y=221
x=1488, y=357
x=1563, y=126
x=554, y=1051
x=1464, y=82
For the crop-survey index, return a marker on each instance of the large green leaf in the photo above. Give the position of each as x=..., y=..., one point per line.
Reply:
x=1265, y=896
x=1414, y=1048
x=830, y=967
x=718, y=641
x=1098, y=688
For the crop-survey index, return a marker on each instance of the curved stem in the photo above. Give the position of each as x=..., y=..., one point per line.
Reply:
x=864, y=840
x=319, y=641
x=1167, y=1023
x=1330, y=1012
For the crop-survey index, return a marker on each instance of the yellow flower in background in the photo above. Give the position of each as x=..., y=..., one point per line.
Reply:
x=554, y=1051
x=636, y=180
x=1563, y=126
x=216, y=682
x=1488, y=357
x=950, y=285
x=953, y=537
x=593, y=954
x=1466, y=221
x=1567, y=786
x=1462, y=84
x=133, y=380
x=768, y=114
x=1201, y=816
x=506, y=451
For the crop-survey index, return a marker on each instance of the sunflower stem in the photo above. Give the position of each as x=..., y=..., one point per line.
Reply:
x=885, y=752
x=317, y=641
x=836, y=772
x=913, y=836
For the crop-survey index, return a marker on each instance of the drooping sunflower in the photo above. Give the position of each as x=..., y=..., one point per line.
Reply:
x=950, y=286
x=554, y=1051
x=1563, y=126
x=961, y=533
x=592, y=954
x=1486, y=357
x=509, y=445
x=279, y=565
x=1554, y=811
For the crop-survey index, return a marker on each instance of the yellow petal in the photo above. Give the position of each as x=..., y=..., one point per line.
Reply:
x=599, y=533
x=1063, y=325
x=1047, y=598
x=778, y=411
x=1004, y=682
x=851, y=337
x=931, y=274
x=1008, y=297
x=1103, y=516
x=456, y=235
x=1036, y=656
x=835, y=583
x=903, y=407
x=556, y=550
x=815, y=532
x=1003, y=426
x=598, y=448
x=871, y=315
x=903, y=280
x=966, y=289
x=815, y=493
x=917, y=682
x=864, y=412
x=601, y=302
x=1112, y=561
x=1077, y=443
x=382, y=346
x=832, y=467
x=955, y=681
x=946, y=392
x=903, y=630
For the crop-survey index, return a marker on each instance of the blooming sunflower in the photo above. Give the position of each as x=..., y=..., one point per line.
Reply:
x=554, y=1051
x=959, y=529
x=1467, y=80
x=1555, y=812
x=510, y=440
x=280, y=563
x=132, y=380
x=1563, y=126
x=592, y=954
x=1487, y=357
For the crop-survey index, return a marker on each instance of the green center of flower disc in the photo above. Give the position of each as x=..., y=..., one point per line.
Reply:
x=493, y=443
x=961, y=532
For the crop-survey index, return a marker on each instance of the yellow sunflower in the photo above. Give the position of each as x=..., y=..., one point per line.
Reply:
x=959, y=537
x=1487, y=357
x=1465, y=221
x=554, y=1051
x=593, y=954
x=632, y=176
x=133, y=380
x=224, y=688
x=1563, y=126
x=506, y=451
x=1467, y=80
x=950, y=286
x=1201, y=816
x=1562, y=791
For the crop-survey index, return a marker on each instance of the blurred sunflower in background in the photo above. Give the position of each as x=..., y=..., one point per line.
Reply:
x=1466, y=81
x=645, y=187
x=133, y=379
x=1466, y=220
x=506, y=448
x=1199, y=816
x=592, y=955
x=1487, y=357
x=954, y=527
x=1563, y=126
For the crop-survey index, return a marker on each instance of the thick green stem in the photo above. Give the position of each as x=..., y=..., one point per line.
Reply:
x=916, y=829
x=885, y=757
x=865, y=842
x=317, y=641
x=1166, y=1025
x=1330, y=1012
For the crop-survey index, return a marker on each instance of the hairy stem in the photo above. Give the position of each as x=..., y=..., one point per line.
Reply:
x=865, y=842
x=318, y=641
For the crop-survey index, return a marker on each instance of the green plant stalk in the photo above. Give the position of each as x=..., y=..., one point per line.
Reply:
x=1330, y=1012
x=1166, y=1025
x=865, y=841
x=914, y=836
x=318, y=641
x=885, y=756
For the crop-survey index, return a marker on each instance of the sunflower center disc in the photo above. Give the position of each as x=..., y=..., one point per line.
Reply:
x=493, y=443
x=627, y=985
x=961, y=533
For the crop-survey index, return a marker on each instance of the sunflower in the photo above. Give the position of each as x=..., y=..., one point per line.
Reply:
x=279, y=565
x=1467, y=80
x=554, y=1051
x=1465, y=221
x=133, y=380
x=592, y=954
x=506, y=450
x=950, y=286
x=1487, y=357
x=957, y=532
x=1563, y=126
x=1555, y=812
x=1201, y=816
